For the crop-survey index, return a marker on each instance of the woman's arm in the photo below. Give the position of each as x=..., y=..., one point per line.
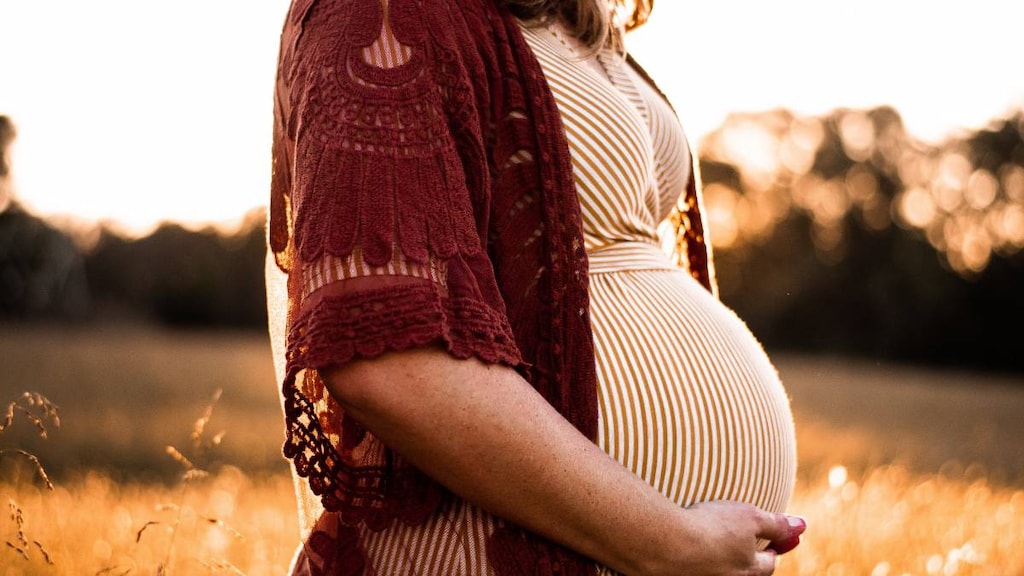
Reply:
x=486, y=434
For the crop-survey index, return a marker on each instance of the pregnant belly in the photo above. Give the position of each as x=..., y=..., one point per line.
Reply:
x=688, y=398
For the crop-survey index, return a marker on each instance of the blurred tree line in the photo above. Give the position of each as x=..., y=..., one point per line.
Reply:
x=174, y=276
x=837, y=234
x=182, y=278
x=843, y=234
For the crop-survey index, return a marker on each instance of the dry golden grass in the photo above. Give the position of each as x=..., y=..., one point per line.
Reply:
x=229, y=523
x=891, y=522
x=888, y=523
x=903, y=471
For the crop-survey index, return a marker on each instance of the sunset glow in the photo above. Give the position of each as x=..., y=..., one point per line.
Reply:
x=140, y=115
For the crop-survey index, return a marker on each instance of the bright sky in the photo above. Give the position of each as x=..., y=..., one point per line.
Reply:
x=139, y=112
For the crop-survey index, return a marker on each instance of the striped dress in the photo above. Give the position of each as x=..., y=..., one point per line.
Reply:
x=688, y=399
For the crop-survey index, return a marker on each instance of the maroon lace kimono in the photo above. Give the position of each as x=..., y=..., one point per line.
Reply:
x=451, y=167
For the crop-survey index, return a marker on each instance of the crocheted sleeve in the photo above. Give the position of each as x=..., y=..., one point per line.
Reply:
x=378, y=216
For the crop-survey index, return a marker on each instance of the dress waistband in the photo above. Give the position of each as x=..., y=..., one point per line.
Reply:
x=620, y=256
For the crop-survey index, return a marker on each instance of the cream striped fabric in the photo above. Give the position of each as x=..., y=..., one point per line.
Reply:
x=331, y=269
x=688, y=399
x=452, y=543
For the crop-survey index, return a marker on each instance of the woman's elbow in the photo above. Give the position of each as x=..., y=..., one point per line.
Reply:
x=374, y=384
x=354, y=386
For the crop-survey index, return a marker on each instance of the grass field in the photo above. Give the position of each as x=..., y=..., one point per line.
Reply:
x=903, y=470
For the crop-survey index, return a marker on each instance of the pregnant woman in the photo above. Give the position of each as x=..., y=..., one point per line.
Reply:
x=488, y=362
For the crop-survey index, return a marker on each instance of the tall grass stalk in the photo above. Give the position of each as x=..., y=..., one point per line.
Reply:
x=41, y=413
x=194, y=470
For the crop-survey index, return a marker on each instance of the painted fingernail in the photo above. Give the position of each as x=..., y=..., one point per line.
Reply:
x=797, y=523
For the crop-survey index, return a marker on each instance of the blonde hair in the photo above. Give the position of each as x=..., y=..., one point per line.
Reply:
x=7, y=134
x=596, y=23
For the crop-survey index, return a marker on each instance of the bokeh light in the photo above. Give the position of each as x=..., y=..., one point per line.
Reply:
x=965, y=196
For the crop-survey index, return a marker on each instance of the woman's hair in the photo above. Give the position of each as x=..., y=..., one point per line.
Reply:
x=7, y=134
x=593, y=22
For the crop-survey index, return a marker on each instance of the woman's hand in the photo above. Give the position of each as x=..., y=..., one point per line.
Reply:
x=725, y=539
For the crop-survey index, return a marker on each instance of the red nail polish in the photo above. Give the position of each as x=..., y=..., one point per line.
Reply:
x=786, y=545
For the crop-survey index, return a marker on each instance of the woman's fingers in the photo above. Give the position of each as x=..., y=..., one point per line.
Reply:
x=784, y=546
x=787, y=533
x=729, y=530
x=765, y=563
x=772, y=527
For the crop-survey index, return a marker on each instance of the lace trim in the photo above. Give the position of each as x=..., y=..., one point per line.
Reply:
x=332, y=549
x=692, y=247
x=352, y=471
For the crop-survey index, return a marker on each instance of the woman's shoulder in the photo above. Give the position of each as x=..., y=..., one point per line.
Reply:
x=396, y=13
x=408, y=25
